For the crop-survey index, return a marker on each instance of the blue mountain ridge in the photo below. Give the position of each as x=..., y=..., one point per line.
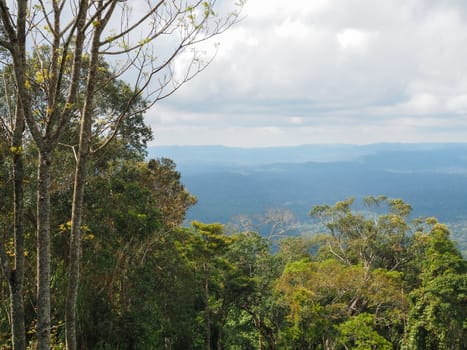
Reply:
x=232, y=181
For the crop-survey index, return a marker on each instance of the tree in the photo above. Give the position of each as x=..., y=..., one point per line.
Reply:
x=438, y=315
x=172, y=198
x=254, y=316
x=134, y=279
x=356, y=269
x=79, y=34
x=274, y=223
x=12, y=129
x=323, y=295
x=376, y=240
x=209, y=243
x=132, y=139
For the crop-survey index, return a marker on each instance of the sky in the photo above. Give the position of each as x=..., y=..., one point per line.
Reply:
x=327, y=71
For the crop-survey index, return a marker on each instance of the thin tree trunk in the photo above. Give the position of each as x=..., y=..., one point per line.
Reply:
x=78, y=198
x=260, y=333
x=75, y=245
x=17, y=273
x=208, y=311
x=219, y=339
x=17, y=276
x=43, y=252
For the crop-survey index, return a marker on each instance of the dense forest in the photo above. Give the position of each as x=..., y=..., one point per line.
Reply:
x=93, y=250
x=373, y=281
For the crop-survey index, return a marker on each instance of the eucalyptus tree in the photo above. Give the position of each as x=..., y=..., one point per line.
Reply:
x=350, y=290
x=144, y=41
x=12, y=126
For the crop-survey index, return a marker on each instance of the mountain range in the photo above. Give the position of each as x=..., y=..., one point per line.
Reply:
x=232, y=181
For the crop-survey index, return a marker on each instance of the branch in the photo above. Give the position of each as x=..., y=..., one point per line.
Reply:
x=7, y=23
x=343, y=259
x=134, y=26
x=46, y=16
x=98, y=13
x=191, y=33
x=7, y=102
x=79, y=27
x=73, y=148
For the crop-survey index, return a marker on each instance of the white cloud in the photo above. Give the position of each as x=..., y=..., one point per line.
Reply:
x=329, y=71
x=259, y=9
x=292, y=29
x=353, y=39
x=272, y=130
x=423, y=104
x=457, y=104
x=296, y=120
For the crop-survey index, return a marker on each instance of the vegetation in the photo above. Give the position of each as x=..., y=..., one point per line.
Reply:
x=92, y=251
x=62, y=63
x=369, y=281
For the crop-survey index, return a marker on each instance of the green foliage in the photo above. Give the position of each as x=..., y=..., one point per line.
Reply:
x=372, y=280
x=359, y=333
x=135, y=282
x=438, y=316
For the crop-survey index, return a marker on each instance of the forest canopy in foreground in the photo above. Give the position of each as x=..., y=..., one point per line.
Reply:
x=373, y=281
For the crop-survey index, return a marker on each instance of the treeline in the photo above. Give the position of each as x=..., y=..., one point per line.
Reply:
x=374, y=281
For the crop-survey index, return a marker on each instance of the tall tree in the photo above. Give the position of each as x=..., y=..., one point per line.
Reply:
x=73, y=31
x=12, y=129
x=45, y=128
x=209, y=245
x=254, y=316
x=133, y=278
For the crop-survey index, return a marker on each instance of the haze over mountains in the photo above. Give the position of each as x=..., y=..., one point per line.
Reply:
x=233, y=181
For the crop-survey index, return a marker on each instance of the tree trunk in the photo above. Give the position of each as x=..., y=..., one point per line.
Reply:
x=219, y=339
x=17, y=273
x=74, y=259
x=75, y=246
x=43, y=251
x=78, y=196
x=208, y=311
x=260, y=333
x=17, y=311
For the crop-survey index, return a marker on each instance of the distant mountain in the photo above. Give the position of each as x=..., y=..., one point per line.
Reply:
x=254, y=156
x=220, y=156
x=233, y=181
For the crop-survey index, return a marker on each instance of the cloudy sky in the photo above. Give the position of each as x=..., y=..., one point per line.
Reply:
x=328, y=71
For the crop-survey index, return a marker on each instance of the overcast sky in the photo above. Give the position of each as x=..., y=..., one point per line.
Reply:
x=328, y=71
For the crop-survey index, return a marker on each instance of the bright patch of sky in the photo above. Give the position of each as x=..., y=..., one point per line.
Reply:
x=328, y=71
